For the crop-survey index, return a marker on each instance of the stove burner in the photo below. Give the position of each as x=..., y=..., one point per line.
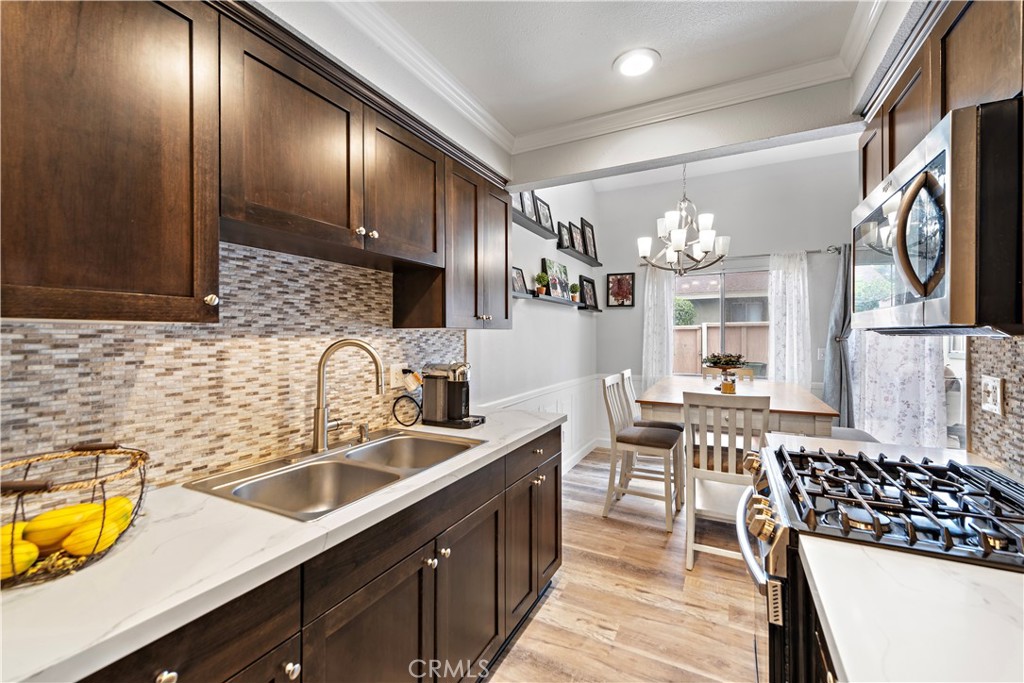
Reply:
x=825, y=469
x=862, y=519
x=997, y=540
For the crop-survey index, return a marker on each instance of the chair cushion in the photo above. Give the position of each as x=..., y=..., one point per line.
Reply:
x=651, y=437
x=660, y=424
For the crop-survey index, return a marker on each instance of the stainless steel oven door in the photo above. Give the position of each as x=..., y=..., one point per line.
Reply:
x=755, y=566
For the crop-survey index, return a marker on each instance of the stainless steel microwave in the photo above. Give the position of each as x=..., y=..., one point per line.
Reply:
x=938, y=245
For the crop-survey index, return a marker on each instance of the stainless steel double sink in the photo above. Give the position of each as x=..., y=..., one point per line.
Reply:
x=307, y=486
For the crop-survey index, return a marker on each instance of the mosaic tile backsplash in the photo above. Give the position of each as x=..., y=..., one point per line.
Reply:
x=203, y=398
x=999, y=438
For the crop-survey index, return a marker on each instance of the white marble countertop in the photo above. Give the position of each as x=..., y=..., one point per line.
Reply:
x=898, y=616
x=191, y=552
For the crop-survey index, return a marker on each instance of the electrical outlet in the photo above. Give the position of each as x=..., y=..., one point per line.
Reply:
x=395, y=380
x=992, y=394
x=821, y=354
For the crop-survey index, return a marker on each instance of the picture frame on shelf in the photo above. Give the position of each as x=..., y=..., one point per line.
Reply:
x=588, y=292
x=517, y=201
x=621, y=288
x=544, y=214
x=577, y=237
x=589, y=242
x=564, y=236
x=529, y=208
x=518, y=280
x=558, y=276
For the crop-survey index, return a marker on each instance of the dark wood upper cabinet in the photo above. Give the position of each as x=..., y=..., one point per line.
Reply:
x=907, y=111
x=493, y=267
x=110, y=158
x=976, y=52
x=871, y=169
x=291, y=151
x=471, y=590
x=404, y=193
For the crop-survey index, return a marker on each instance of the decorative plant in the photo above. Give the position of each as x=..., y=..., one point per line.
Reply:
x=574, y=291
x=542, y=282
x=724, y=360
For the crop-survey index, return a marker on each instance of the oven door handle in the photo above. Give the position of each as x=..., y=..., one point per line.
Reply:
x=753, y=566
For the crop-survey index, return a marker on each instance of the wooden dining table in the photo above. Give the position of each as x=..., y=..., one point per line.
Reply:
x=793, y=409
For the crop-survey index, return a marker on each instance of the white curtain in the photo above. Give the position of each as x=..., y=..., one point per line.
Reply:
x=658, y=305
x=899, y=391
x=789, y=345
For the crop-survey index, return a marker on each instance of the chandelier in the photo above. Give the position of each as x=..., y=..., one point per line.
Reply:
x=690, y=241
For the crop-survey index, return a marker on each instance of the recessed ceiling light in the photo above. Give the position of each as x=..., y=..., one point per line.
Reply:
x=636, y=62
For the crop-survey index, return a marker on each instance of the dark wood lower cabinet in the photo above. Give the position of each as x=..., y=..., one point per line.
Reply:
x=283, y=664
x=383, y=632
x=549, y=519
x=471, y=592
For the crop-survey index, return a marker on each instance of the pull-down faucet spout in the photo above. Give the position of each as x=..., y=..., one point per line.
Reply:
x=321, y=414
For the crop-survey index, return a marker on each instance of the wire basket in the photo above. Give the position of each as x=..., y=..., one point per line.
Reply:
x=62, y=511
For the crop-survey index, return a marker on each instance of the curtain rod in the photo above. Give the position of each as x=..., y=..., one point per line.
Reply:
x=830, y=249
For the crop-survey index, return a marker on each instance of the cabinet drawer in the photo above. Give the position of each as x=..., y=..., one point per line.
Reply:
x=280, y=665
x=220, y=644
x=525, y=459
x=340, y=571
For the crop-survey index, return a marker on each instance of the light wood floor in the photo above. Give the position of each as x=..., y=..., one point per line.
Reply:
x=624, y=608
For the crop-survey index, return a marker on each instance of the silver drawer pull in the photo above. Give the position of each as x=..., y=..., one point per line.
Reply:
x=431, y=562
x=538, y=451
x=167, y=677
x=445, y=552
x=292, y=670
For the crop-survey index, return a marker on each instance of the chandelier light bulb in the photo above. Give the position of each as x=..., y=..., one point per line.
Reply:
x=707, y=240
x=643, y=245
x=662, y=228
x=705, y=221
x=678, y=239
x=671, y=256
x=671, y=220
x=722, y=245
x=698, y=253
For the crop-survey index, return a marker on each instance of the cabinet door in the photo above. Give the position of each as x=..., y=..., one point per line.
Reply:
x=907, y=111
x=549, y=519
x=471, y=592
x=493, y=265
x=291, y=146
x=871, y=170
x=280, y=665
x=382, y=632
x=404, y=193
x=976, y=51
x=521, y=570
x=463, y=300
x=109, y=170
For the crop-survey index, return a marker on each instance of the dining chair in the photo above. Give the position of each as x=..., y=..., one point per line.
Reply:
x=710, y=372
x=720, y=431
x=626, y=437
x=677, y=462
x=744, y=373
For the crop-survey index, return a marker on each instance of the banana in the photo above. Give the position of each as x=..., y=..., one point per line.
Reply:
x=24, y=555
x=92, y=537
x=19, y=531
x=48, y=529
x=119, y=512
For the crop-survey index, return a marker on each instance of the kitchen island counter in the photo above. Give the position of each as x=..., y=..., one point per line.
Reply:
x=190, y=552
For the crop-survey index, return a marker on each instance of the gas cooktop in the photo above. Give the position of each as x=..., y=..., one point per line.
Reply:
x=963, y=512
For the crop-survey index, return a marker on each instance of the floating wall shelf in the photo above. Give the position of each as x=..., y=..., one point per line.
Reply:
x=580, y=256
x=522, y=220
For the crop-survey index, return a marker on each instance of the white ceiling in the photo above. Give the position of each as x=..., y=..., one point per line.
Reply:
x=534, y=66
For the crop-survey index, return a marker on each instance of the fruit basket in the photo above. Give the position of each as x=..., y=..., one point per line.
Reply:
x=62, y=511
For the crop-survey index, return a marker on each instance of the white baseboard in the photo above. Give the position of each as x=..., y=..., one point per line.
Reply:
x=527, y=395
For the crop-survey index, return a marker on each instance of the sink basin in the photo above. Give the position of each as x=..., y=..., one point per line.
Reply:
x=313, y=489
x=307, y=486
x=409, y=452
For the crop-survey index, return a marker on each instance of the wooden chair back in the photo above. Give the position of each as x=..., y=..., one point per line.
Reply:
x=719, y=429
x=744, y=373
x=620, y=412
x=710, y=372
x=627, y=385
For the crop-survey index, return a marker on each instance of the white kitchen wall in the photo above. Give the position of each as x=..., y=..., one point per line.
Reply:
x=547, y=361
x=796, y=205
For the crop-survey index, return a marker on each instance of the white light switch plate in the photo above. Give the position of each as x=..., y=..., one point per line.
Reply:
x=821, y=354
x=992, y=394
x=395, y=376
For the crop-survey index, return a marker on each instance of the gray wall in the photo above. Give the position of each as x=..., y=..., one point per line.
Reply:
x=791, y=206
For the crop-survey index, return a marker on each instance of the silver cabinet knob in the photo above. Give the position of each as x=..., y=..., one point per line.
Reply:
x=360, y=230
x=537, y=482
x=167, y=677
x=292, y=670
x=445, y=552
x=543, y=478
x=374, y=234
x=431, y=562
x=538, y=451
x=211, y=300
x=488, y=317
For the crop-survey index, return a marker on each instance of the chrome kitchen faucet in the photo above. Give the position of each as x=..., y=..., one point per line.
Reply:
x=321, y=421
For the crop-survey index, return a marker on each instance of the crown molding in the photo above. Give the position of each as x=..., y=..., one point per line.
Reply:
x=393, y=39
x=865, y=19
x=714, y=97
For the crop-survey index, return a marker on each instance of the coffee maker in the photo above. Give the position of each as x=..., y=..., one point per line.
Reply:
x=446, y=396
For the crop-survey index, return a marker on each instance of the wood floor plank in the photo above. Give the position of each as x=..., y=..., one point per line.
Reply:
x=623, y=607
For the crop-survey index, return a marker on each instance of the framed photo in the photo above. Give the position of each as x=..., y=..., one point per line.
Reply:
x=518, y=280
x=564, y=236
x=588, y=292
x=577, y=237
x=544, y=214
x=517, y=201
x=620, y=290
x=529, y=208
x=588, y=239
x=558, y=276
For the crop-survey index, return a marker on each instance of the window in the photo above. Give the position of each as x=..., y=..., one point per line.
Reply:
x=703, y=301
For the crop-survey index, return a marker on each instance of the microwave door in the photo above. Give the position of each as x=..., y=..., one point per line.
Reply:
x=920, y=231
x=881, y=296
